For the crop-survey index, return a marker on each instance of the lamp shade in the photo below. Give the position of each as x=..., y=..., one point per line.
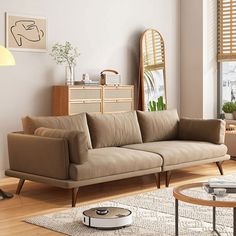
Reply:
x=6, y=58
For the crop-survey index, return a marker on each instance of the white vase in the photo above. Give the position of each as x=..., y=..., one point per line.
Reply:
x=70, y=75
x=229, y=116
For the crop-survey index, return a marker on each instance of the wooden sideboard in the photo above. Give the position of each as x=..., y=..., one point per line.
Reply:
x=69, y=100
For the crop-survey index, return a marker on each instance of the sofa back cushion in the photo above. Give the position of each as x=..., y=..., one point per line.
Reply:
x=76, y=122
x=113, y=130
x=211, y=130
x=77, y=142
x=158, y=126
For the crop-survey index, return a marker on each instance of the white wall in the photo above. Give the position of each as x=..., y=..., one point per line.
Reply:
x=107, y=34
x=198, y=93
x=191, y=98
x=209, y=59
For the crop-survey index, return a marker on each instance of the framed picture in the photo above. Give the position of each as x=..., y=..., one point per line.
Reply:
x=26, y=33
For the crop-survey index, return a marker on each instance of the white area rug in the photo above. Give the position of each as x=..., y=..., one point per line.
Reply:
x=153, y=214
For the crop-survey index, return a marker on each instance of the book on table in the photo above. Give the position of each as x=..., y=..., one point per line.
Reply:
x=210, y=190
x=223, y=182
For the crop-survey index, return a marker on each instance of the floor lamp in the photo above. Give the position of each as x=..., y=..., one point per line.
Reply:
x=6, y=59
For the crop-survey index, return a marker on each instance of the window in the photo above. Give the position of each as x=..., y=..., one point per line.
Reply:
x=227, y=50
x=228, y=81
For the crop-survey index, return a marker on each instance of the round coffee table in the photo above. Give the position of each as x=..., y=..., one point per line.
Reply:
x=186, y=193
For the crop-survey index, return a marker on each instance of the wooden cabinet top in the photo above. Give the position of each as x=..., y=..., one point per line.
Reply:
x=93, y=86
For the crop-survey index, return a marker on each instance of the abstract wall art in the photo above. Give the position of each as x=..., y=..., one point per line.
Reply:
x=26, y=33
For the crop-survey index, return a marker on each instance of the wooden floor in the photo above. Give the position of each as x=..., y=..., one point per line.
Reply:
x=38, y=199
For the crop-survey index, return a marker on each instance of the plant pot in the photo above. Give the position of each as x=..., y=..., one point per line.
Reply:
x=229, y=116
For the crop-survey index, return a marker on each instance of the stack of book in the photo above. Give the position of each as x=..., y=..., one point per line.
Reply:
x=87, y=82
x=228, y=183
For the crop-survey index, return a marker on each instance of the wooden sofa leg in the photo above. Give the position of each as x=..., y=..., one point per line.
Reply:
x=168, y=177
x=19, y=186
x=219, y=165
x=158, y=179
x=75, y=192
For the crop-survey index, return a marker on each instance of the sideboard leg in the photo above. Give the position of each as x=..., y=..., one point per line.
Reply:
x=75, y=192
x=219, y=165
x=168, y=177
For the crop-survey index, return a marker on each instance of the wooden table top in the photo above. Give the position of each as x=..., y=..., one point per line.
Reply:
x=179, y=194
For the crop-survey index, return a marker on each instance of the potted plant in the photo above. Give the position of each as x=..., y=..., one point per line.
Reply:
x=158, y=105
x=229, y=108
x=66, y=54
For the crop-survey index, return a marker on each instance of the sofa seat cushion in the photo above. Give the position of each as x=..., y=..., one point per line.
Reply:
x=113, y=161
x=180, y=152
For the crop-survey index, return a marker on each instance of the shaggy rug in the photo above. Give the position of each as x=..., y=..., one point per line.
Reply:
x=153, y=214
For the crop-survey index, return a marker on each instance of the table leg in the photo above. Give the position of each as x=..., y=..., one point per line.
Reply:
x=214, y=216
x=176, y=217
x=214, y=219
x=234, y=216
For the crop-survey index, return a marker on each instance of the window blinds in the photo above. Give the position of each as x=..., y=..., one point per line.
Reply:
x=226, y=30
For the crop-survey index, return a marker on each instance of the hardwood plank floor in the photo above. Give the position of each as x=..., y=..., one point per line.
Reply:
x=38, y=199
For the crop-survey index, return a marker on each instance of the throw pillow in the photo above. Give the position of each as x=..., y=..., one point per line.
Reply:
x=113, y=130
x=77, y=142
x=75, y=122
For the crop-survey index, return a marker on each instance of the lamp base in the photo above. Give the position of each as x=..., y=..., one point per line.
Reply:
x=5, y=195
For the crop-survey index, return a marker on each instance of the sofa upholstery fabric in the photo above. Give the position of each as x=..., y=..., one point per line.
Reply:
x=158, y=126
x=202, y=130
x=77, y=142
x=178, y=152
x=42, y=156
x=114, y=160
x=113, y=130
x=125, y=145
x=75, y=122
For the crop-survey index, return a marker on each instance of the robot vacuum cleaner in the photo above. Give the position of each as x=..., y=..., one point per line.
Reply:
x=107, y=217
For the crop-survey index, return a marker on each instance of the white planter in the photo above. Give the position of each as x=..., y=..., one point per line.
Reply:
x=229, y=116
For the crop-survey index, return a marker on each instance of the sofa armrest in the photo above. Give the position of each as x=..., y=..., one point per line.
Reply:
x=43, y=156
x=212, y=131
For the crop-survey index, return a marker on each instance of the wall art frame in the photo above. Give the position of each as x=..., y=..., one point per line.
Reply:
x=26, y=33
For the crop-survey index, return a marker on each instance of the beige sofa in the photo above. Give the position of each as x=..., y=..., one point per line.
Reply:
x=84, y=149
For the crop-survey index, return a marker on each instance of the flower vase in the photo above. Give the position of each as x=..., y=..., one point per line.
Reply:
x=70, y=75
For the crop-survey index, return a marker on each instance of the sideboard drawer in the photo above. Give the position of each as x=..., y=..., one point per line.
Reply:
x=78, y=107
x=69, y=100
x=117, y=106
x=118, y=92
x=85, y=93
